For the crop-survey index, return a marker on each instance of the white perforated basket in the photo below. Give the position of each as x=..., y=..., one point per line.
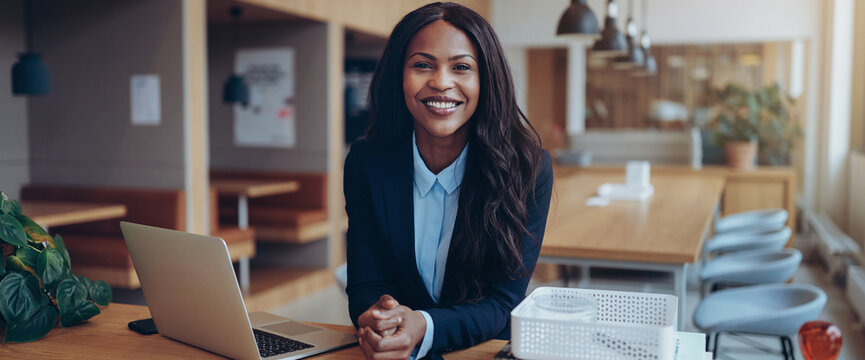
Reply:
x=620, y=326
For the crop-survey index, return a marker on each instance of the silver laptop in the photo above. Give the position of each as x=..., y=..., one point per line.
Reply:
x=193, y=295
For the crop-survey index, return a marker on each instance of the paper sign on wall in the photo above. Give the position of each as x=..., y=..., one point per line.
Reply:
x=146, y=108
x=269, y=118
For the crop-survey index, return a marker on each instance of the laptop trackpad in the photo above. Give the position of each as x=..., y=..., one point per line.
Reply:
x=291, y=328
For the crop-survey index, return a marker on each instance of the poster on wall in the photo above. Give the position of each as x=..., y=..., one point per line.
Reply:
x=269, y=118
x=145, y=106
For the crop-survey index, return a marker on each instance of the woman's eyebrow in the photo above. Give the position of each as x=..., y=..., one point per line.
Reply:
x=455, y=57
x=452, y=58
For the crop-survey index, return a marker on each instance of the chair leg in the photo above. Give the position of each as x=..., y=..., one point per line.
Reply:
x=566, y=274
x=716, y=345
x=708, y=342
x=784, y=349
x=788, y=351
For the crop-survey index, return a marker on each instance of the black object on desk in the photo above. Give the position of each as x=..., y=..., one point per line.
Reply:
x=143, y=326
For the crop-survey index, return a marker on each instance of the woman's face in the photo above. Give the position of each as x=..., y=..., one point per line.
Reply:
x=441, y=81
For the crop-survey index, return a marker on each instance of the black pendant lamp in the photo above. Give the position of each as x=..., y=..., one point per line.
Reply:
x=236, y=91
x=612, y=43
x=650, y=65
x=578, y=21
x=635, y=56
x=29, y=75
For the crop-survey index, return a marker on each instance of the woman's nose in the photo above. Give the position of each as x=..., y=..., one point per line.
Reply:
x=441, y=80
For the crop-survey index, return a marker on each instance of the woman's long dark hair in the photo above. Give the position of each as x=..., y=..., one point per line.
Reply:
x=504, y=154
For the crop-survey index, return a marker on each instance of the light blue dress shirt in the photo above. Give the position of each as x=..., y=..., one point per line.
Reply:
x=435, y=210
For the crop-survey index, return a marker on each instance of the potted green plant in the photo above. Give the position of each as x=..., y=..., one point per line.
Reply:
x=753, y=125
x=37, y=289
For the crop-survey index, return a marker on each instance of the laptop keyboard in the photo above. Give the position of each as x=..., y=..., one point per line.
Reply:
x=270, y=345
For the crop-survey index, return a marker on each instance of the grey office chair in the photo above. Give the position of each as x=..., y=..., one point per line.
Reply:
x=740, y=241
x=341, y=276
x=750, y=268
x=752, y=221
x=774, y=309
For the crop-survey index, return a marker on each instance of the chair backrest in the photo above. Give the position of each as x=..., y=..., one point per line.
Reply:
x=154, y=207
x=752, y=267
x=753, y=221
x=740, y=241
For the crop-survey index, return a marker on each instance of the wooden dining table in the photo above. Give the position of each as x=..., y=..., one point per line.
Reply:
x=245, y=189
x=664, y=233
x=58, y=213
x=107, y=336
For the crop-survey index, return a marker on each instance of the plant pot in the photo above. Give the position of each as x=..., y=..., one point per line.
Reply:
x=741, y=154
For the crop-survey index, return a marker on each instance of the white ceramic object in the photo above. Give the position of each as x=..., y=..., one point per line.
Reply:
x=625, y=192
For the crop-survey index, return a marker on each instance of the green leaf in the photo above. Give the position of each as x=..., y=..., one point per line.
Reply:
x=61, y=246
x=28, y=255
x=5, y=205
x=100, y=292
x=14, y=263
x=70, y=294
x=35, y=327
x=2, y=265
x=19, y=296
x=16, y=207
x=36, y=232
x=51, y=268
x=11, y=231
x=77, y=315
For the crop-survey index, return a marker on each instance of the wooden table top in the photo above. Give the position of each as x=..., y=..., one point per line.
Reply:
x=50, y=214
x=254, y=188
x=106, y=336
x=667, y=228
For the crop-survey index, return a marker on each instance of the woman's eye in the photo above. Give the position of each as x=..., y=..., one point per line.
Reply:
x=462, y=67
x=422, y=65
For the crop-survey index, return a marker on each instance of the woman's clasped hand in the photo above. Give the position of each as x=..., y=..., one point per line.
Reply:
x=389, y=330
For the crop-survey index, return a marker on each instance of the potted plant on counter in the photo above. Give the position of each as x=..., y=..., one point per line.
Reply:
x=753, y=125
x=37, y=288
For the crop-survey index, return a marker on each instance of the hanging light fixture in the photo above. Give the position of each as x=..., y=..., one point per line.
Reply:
x=235, y=91
x=612, y=43
x=650, y=65
x=578, y=21
x=29, y=75
x=635, y=56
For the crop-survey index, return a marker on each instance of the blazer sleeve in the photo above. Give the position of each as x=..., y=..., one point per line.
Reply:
x=368, y=279
x=461, y=326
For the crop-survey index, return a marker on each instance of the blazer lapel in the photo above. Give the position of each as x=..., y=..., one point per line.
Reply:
x=399, y=211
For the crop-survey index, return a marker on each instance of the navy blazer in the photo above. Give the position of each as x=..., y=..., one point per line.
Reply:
x=381, y=257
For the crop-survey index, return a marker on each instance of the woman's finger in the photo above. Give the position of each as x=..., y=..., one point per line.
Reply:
x=387, y=302
x=386, y=324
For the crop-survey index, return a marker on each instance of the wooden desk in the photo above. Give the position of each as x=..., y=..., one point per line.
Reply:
x=245, y=189
x=106, y=336
x=50, y=214
x=664, y=233
x=761, y=188
x=253, y=188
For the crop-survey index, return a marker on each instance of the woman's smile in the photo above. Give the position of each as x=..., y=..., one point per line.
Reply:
x=441, y=105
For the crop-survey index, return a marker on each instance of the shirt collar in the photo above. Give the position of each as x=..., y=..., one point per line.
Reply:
x=450, y=178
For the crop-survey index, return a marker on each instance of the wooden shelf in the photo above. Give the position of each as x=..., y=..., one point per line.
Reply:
x=272, y=287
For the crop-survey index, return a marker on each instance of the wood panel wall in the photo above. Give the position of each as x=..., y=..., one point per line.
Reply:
x=547, y=100
x=373, y=16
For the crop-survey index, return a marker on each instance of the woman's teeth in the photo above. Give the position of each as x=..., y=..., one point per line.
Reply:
x=441, y=104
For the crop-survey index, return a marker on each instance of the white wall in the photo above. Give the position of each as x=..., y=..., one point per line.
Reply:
x=670, y=21
x=522, y=24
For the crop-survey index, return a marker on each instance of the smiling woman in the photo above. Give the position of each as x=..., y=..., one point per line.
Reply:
x=441, y=85
x=447, y=195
